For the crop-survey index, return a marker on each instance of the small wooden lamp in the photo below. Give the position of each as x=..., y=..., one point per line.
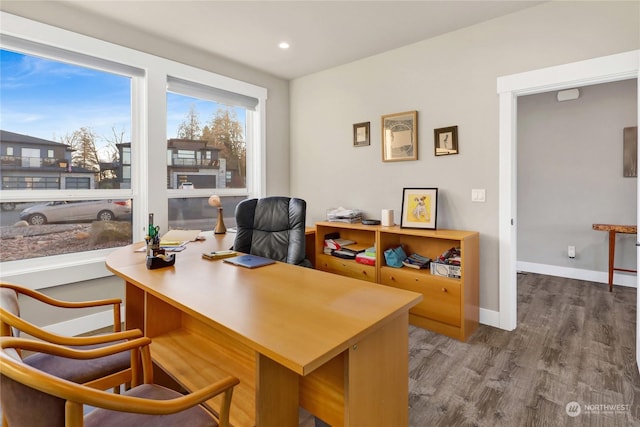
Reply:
x=215, y=202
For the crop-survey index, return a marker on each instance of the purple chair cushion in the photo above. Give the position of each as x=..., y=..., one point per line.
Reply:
x=192, y=417
x=80, y=371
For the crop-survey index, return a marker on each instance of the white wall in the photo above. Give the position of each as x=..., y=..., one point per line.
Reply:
x=449, y=80
x=570, y=177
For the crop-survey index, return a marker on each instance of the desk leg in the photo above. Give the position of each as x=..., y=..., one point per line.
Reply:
x=276, y=394
x=377, y=392
x=612, y=255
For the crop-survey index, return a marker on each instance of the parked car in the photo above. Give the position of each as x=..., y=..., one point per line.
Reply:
x=76, y=210
x=187, y=186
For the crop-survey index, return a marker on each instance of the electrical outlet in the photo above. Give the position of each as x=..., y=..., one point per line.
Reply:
x=571, y=251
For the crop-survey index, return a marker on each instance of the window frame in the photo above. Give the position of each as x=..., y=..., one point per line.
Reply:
x=148, y=92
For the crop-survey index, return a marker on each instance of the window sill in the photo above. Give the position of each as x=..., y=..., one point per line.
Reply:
x=46, y=272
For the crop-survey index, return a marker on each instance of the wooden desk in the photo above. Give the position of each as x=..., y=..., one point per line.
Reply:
x=613, y=229
x=294, y=336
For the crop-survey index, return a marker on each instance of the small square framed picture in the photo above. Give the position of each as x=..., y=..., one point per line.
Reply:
x=446, y=141
x=361, y=132
x=419, y=208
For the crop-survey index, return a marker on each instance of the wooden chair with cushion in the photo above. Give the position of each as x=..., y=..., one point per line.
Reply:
x=107, y=372
x=31, y=397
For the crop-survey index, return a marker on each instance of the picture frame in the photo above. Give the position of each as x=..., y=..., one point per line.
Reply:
x=630, y=152
x=361, y=132
x=400, y=136
x=419, y=208
x=446, y=141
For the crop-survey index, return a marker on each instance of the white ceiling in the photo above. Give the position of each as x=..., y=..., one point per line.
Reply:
x=322, y=34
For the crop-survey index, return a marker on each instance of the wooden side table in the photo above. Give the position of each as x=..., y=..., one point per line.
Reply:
x=613, y=229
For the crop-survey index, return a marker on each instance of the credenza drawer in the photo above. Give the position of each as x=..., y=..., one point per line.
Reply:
x=346, y=267
x=441, y=295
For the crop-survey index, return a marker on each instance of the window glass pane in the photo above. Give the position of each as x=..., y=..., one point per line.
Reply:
x=207, y=143
x=195, y=213
x=40, y=229
x=64, y=127
x=64, y=123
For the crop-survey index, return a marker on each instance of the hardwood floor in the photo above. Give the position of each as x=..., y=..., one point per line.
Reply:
x=575, y=342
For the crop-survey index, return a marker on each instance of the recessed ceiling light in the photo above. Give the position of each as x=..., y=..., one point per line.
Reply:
x=283, y=45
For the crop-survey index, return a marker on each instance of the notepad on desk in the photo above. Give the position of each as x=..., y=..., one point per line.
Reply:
x=219, y=254
x=180, y=236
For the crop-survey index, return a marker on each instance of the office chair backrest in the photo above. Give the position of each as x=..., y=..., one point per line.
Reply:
x=27, y=407
x=272, y=227
x=9, y=302
x=18, y=396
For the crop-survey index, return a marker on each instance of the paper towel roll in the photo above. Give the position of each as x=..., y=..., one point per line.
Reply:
x=386, y=217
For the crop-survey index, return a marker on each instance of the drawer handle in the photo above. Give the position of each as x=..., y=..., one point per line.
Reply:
x=444, y=289
x=393, y=278
x=364, y=273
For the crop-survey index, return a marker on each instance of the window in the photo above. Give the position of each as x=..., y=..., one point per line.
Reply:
x=134, y=161
x=207, y=149
x=82, y=113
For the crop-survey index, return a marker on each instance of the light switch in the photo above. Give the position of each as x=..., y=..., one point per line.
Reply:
x=478, y=195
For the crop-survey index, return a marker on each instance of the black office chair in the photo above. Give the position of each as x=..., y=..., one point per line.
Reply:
x=272, y=227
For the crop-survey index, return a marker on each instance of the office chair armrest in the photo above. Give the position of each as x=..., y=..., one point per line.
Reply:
x=35, y=331
x=74, y=353
x=56, y=302
x=162, y=407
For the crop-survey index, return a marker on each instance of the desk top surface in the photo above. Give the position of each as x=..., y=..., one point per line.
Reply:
x=297, y=316
x=630, y=229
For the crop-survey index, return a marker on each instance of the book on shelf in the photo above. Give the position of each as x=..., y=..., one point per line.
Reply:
x=365, y=259
x=416, y=261
x=343, y=253
x=337, y=243
x=351, y=252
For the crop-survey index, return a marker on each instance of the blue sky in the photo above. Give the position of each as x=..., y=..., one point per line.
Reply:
x=49, y=99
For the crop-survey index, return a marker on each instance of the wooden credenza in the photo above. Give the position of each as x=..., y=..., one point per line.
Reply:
x=450, y=306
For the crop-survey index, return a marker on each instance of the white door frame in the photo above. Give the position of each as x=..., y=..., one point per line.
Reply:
x=605, y=69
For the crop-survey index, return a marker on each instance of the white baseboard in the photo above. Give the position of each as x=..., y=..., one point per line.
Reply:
x=84, y=324
x=620, y=279
x=490, y=317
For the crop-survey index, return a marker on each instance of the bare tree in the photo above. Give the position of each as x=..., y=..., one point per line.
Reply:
x=190, y=127
x=113, y=153
x=83, y=144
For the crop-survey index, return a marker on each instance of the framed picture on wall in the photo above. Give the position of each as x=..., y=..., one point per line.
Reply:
x=361, y=134
x=419, y=208
x=400, y=136
x=446, y=141
x=630, y=152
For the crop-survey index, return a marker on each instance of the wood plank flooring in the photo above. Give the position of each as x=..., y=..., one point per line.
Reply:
x=575, y=342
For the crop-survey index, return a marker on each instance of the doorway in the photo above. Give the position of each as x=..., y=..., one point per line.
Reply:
x=584, y=73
